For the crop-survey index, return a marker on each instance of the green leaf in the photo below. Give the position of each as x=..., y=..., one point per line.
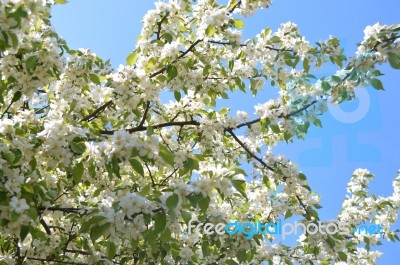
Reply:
x=172, y=201
x=168, y=37
x=191, y=164
x=78, y=148
x=210, y=30
x=94, y=78
x=60, y=1
x=231, y=64
x=336, y=79
x=342, y=256
x=325, y=85
x=32, y=213
x=204, y=202
x=302, y=176
x=111, y=250
x=177, y=95
x=77, y=172
x=206, y=70
x=166, y=155
x=275, y=128
x=239, y=24
x=98, y=231
x=231, y=262
x=240, y=186
x=115, y=167
x=330, y=241
x=267, y=182
x=394, y=60
x=186, y=216
x=137, y=166
x=306, y=65
x=36, y=233
x=24, y=232
x=14, y=216
x=92, y=169
x=172, y=72
x=72, y=106
x=377, y=84
x=317, y=122
x=160, y=222
x=3, y=198
x=16, y=96
x=14, y=39
x=9, y=157
x=288, y=214
x=94, y=220
x=31, y=62
x=132, y=58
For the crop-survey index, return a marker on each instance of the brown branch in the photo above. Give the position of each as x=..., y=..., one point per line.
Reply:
x=281, y=116
x=225, y=43
x=153, y=183
x=235, y=6
x=302, y=204
x=157, y=126
x=54, y=227
x=71, y=237
x=230, y=131
x=45, y=226
x=4, y=113
x=244, y=45
x=18, y=254
x=159, y=24
x=162, y=70
x=98, y=111
x=61, y=209
x=280, y=50
x=43, y=260
x=145, y=114
x=39, y=110
x=166, y=179
x=375, y=48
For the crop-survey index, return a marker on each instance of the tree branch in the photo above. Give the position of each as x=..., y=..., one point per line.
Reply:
x=235, y=6
x=61, y=209
x=43, y=260
x=162, y=70
x=153, y=183
x=8, y=107
x=157, y=126
x=159, y=24
x=244, y=45
x=230, y=131
x=45, y=226
x=99, y=110
x=145, y=114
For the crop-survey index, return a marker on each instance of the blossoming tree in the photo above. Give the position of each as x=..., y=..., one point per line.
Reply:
x=94, y=169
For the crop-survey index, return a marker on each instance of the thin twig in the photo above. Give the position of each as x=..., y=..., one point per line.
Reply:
x=99, y=110
x=158, y=126
x=230, y=131
x=145, y=114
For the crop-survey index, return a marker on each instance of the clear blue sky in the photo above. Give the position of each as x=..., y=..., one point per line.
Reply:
x=328, y=156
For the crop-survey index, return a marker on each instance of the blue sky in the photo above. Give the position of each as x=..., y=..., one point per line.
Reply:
x=328, y=156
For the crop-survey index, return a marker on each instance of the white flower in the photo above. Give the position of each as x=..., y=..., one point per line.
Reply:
x=185, y=253
x=19, y=205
